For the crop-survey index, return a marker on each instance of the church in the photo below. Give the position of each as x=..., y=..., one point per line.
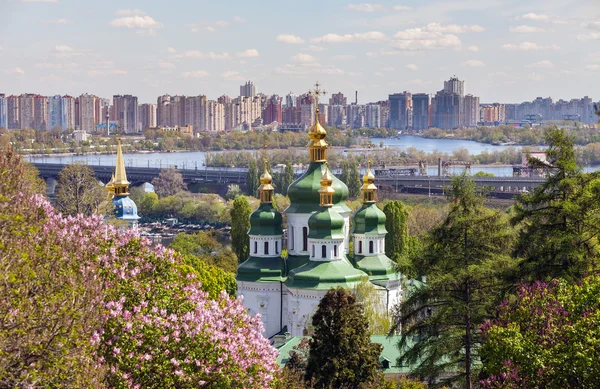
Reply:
x=286, y=291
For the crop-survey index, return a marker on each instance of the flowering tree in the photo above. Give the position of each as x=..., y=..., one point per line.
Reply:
x=84, y=305
x=548, y=337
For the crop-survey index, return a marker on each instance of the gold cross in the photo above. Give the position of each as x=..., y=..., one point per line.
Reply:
x=317, y=92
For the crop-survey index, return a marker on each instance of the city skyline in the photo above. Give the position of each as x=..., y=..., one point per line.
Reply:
x=508, y=51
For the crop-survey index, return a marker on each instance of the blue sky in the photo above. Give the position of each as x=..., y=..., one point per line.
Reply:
x=505, y=50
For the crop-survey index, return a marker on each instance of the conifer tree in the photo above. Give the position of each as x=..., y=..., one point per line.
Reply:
x=341, y=353
x=560, y=220
x=240, y=225
x=396, y=224
x=464, y=259
x=353, y=182
x=252, y=178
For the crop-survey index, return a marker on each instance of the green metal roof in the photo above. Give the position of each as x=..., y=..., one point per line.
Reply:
x=378, y=267
x=326, y=224
x=257, y=269
x=265, y=220
x=369, y=220
x=295, y=261
x=304, y=195
x=319, y=275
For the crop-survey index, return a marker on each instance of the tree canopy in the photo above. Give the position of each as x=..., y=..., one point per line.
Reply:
x=240, y=225
x=169, y=182
x=78, y=191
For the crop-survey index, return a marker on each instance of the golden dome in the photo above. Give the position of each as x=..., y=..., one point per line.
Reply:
x=266, y=178
x=266, y=189
x=317, y=132
x=326, y=191
x=368, y=189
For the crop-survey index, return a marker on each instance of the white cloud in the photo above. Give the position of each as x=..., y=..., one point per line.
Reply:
x=250, y=53
x=166, y=65
x=412, y=66
x=525, y=29
x=401, y=8
x=239, y=19
x=210, y=29
x=287, y=38
x=545, y=64
x=473, y=48
x=365, y=7
x=143, y=22
x=474, y=63
x=94, y=73
x=16, y=70
x=232, y=76
x=454, y=28
x=379, y=74
x=56, y=65
x=58, y=21
x=499, y=74
x=419, y=82
x=39, y=1
x=529, y=46
x=535, y=77
x=63, y=49
x=344, y=57
x=592, y=67
x=51, y=77
x=195, y=74
x=130, y=12
x=418, y=39
x=221, y=23
x=537, y=17
x=303, y=58
x=316, y=48
x=171, y=50
x=389, y=68
x=371, y=36
x=310, y=68
x=201, y=55
x=592, y=36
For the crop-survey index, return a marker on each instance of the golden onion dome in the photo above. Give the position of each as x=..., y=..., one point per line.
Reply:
x=316, y=131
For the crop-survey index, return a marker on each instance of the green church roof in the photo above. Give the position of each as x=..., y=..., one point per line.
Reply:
x=369, y=220
x=378, y=267
x=326, y=224
x=295, y=261
x=304, y=195
x=322, y=275
x=265, y=220
x=258, y=269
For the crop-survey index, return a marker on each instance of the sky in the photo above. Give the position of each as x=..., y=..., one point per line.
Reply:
x=506, y=50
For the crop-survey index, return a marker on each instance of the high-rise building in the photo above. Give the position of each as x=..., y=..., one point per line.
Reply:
x=68, y=112
x=448, y=110
x=148, y=116
x=3, y=111
x=125, y=112
x=40, y=113
x=336, y=115
x=195, y=112
x=400, y=110
x=163, y=111
x=471, y=111
x=454, y=85
x=87, y=113
x=338, y=99
x=420, y=114
x=373, y=115
x=216, y=116
x=290, y=100
x=356, y=115
x=307, y=106
x=248, y=90
x=55, y=111
x=26, y=111
x=272, y=111
x=13, y=112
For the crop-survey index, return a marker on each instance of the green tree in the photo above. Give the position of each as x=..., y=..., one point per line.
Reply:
x=168, y=183
x=465, y=260
x=147, y=203
x=213, y=279
x=345, y=171
x=287, y=178
x=240, y=225
x=252, y=178
x=353, y=182
x=481, y=173
x=341, y=353
x=378, y=318
x=560, y=221
x=233, y=191
x=203, y=245
x=396, y=224
x=78, y=191
x=545, y=337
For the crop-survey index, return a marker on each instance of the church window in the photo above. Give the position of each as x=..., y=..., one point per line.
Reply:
x=304, y=238
x=370, y=247
x=323, y=251
x=267, y=248
x=335, y=251
x=360, y=246
x=255, y=247
x=292, y=238
x=276, y=247
x=313, y=250
x=381, y=246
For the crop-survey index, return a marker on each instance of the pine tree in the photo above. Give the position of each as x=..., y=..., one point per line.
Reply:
x=252, y=178
x=341, y=353
x=353, y=181
x=560, y=220
x=240, y=224
x=345, y=171
x=288, y=177
x=465, y=260
x=396, y=224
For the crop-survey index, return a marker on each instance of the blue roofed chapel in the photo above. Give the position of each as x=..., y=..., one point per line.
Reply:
x=286, y=292
x=118, y=189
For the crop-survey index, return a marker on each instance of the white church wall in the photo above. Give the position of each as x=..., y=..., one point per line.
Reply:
x=263, y=298
x=265, y=246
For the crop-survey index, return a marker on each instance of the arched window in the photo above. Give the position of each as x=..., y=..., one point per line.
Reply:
x=304, y=238
x=370, y=247
x=335, y=251
x=360, y=246
x=276, y=247
x=323, y=251
x=266, y=248
x=291, y=238
x=255, y=247
x=381, y=246
x=313, y=250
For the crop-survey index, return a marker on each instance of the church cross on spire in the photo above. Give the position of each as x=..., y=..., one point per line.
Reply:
x=316, y=93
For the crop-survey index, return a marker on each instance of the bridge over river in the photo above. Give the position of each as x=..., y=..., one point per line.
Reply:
x=223, y=176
